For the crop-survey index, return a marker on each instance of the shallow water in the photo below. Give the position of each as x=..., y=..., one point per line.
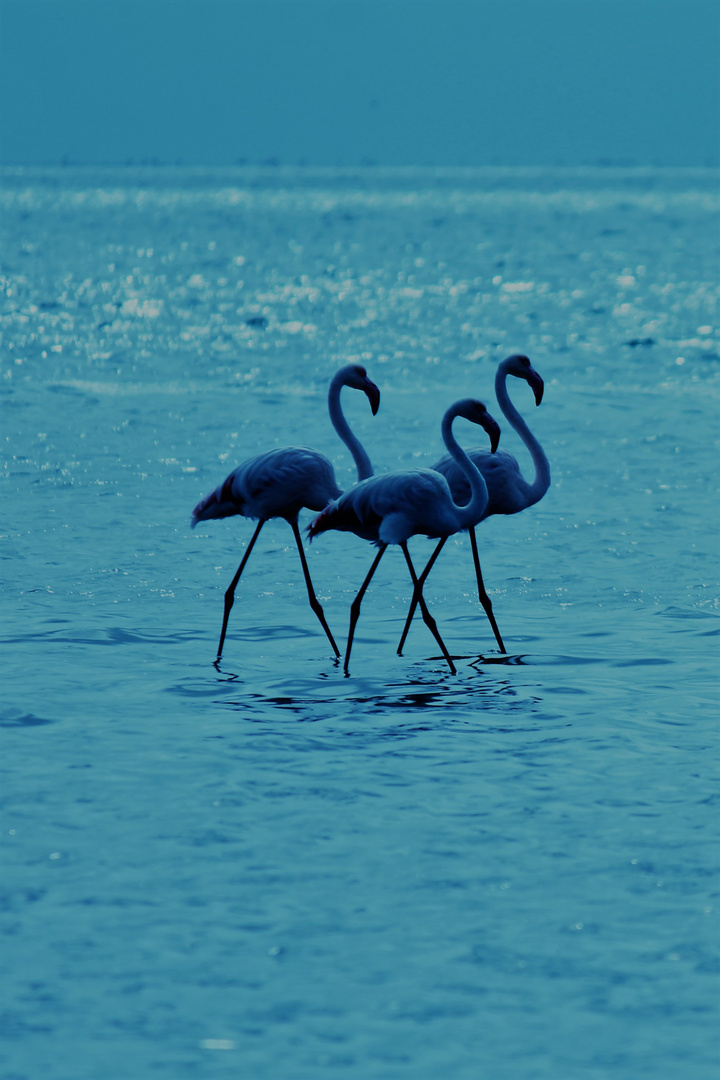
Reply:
x=270, y=870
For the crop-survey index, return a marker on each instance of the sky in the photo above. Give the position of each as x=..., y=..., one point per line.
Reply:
x=346, y=82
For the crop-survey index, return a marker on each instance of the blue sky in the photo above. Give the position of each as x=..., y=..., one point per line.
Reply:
x=326, y=82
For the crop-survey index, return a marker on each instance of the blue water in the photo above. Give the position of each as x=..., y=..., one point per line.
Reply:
x=275, y=872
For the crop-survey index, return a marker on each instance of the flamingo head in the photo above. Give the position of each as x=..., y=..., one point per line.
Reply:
x=476, y=413
x=521, y=367
x=356, y=376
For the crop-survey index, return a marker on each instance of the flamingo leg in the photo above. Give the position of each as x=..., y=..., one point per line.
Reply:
x=314, y=602
x=355, y=606
x=427, y=617
x=230, y=593
x=482, y=594
x=416, y=595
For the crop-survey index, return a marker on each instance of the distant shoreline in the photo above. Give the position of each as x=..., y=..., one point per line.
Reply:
x=276, y=166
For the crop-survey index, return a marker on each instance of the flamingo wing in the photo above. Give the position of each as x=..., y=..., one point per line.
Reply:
x=391, y=508
x=275, y=484
x=280, y=482
x=507, y=488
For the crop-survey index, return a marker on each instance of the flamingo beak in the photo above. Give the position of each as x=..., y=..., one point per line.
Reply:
x=493, y=429
x=373, y=395
x=536, y=384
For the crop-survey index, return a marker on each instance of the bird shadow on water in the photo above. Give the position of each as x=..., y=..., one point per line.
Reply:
x=538, y=684
x=262, y=679
x=420, y=689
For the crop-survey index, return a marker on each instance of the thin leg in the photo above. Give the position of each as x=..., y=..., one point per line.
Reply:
x=230, y=594
x=414, y=601
x=427, y=617
x=314, y=602
x=355, y=606
x=482, y=594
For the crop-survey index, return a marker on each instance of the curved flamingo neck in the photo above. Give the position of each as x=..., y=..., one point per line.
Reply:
x=362, y=461
x=541, y=483
x=473, y=511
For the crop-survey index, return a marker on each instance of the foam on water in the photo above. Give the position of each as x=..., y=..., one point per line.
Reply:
x=269, y=869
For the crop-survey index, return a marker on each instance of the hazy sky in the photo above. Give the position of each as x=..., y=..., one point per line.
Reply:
x=456, y=82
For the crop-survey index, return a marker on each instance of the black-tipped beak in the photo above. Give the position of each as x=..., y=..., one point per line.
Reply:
x=493, y=429
x=373, y=395
x=536, y=384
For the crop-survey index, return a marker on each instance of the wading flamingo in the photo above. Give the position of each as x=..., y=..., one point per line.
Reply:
x=508, y=490
x=282, y=481
x=391, y=508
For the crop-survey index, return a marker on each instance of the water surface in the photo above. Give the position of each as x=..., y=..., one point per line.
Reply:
x=268, y=869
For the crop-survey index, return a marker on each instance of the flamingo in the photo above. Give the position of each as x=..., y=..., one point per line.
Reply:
x=282, y=481
x=508, y=490
x=391, y=508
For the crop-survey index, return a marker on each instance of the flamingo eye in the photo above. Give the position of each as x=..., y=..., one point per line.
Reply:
x=362, y=372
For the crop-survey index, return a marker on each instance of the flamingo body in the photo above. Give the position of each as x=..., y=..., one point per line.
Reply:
x=280, y=482
x=390, y=508
x=508, y=490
